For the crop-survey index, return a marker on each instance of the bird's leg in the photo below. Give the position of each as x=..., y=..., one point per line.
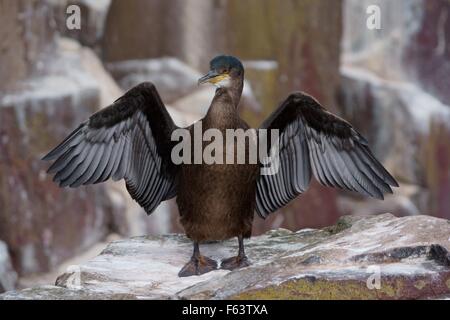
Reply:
x=240, y=261
x=198, y=264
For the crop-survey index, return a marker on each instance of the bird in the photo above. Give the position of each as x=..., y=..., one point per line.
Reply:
x=131, y=140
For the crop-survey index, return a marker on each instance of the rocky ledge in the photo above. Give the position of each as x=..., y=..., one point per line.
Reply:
x=361, y=257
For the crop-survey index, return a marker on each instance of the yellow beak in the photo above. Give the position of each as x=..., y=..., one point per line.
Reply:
x=213, y=77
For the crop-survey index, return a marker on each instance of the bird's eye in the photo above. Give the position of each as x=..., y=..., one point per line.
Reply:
x=222, y=71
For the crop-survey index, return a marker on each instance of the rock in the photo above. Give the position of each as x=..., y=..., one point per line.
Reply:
x=8, y=277
x=57, y=293
x=301, y=65
x=407, y=129
x=130, y=218
x=27, y=35
x=408, y=200
x=399, y=100
x=427, y=54
x=414, y=32
x=262, y=75
x=122, y=42
x=93, y=17
x=41, y=223
x=108, y=88
x=232, y=26
x=367, y=48
x=48, y=278
x=367, y=257
x=172, y=78
x=172, y=29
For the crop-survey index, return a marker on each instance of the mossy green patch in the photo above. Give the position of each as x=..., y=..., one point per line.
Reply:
x=420, y=284
x=311, y=288
x=318, y=289
x=340, y=225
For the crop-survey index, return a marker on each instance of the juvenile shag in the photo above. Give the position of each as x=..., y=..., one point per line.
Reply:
x=131, y=140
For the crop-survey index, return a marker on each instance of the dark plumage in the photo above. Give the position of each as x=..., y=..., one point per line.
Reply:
x=131, y=140
x=114, y=142
x=313, y=139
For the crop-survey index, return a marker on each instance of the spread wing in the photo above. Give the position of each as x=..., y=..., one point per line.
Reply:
x=130, y=140
x=312, y=140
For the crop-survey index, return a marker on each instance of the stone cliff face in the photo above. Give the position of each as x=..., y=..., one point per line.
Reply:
x=48, y=85
x=377, y=257
x=392, y=90
x=8, y=277
x=196, y=31
x=427, y=55
x=408, y=130
x=412, y=44
x=43, y=224
x=27, y=34
x=92, y=17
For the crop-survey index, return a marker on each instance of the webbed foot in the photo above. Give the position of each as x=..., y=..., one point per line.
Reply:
x=197, y=266
x=235, y=263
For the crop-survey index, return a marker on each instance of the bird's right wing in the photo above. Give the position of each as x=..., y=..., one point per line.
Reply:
x=314, y=141
x=130, y=140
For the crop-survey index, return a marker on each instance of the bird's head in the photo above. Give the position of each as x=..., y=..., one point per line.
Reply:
x=223, y=72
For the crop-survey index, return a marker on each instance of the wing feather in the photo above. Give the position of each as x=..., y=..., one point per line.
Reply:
x=314, y=141
x=128, y=140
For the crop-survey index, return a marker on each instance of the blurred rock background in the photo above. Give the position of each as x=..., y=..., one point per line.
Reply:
x=392, y=84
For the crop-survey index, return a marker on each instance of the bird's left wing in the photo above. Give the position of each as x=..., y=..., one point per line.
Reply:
x=130, y=140
x=311, y=139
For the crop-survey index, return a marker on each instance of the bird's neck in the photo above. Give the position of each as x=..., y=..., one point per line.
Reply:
x=234, y=91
